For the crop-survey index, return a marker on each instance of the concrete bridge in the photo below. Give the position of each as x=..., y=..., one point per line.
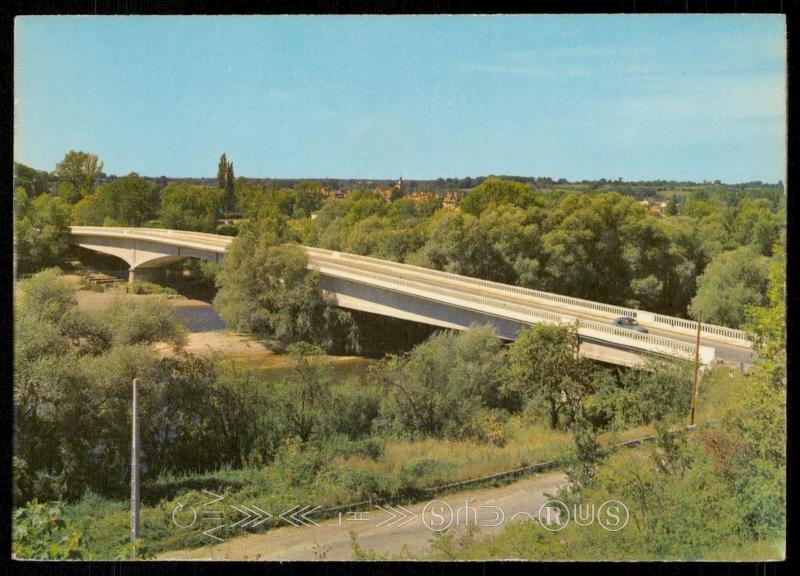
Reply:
x=440, y=298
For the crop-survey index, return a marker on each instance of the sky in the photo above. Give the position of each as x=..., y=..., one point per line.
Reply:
x=579, y=97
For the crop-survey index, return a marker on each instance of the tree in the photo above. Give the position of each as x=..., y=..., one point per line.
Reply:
x=732, y=281
x=497, y=191
x=77, y=173
x=128, y=201
x=543, y=367
x=34, y=182
x=142, y=322
x=222, y=172
x=267, y=288
x=444, y=385
x=190, y=207
x=226, y=181
x=767, y=323
x=756, y=224
x=40, y=225
x=230, y=196
x=457, y=244
x=306, y=393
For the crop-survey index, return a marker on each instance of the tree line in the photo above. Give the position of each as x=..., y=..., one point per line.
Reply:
x=705, y=257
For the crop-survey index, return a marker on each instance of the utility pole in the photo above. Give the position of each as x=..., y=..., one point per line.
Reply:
x=696, y=371
x=135, y=467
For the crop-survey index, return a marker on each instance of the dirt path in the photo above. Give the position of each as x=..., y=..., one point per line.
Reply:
x=485, y=507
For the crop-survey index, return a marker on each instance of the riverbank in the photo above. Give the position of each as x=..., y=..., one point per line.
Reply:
x=207, y=331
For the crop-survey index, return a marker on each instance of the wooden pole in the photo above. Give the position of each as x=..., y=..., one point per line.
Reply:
x=135, y=466
x=696, y=371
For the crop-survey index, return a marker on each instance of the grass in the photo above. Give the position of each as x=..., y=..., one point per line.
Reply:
x=398, y=472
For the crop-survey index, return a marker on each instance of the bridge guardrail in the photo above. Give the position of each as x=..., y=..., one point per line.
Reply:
x=647, y=339
x=667, y=321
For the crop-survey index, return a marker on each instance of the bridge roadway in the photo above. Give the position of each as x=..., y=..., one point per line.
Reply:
x=492, y=298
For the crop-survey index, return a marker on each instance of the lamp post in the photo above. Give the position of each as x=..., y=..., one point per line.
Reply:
x=696, y=370
x=135, y=467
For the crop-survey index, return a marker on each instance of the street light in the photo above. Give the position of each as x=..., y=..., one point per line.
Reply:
x=696, y=370
x=135, y=468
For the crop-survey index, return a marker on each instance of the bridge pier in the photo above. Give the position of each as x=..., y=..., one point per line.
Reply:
x=145, y=274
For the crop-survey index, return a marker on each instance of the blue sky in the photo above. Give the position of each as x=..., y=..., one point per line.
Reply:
x=579, y=97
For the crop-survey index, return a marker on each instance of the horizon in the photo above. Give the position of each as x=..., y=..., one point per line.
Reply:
x=643, y=98
x=412, y=179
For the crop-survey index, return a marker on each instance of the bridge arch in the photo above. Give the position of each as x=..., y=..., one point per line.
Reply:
x=143, y=254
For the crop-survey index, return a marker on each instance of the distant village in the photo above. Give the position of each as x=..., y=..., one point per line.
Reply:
x=394, y=192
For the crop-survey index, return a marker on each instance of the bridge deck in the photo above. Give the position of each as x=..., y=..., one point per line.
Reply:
x=731, y=345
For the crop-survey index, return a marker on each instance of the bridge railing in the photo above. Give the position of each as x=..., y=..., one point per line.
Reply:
x=679, y=324
x=648, y=341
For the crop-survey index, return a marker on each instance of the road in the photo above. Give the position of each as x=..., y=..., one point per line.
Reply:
x=725, y=351
x=519, y=500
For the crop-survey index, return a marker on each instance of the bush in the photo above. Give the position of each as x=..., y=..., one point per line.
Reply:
x=144, y=287
x=40, y=532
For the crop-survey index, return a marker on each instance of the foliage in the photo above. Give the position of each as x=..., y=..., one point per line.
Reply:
x=297, y=202
x=39, y=226
x=128, y=201
x=142, y=322
x=767, y=324
x=718, y=493
x=190, y=207
x=267, y=288
x=543, y=367
x=77, y=173
x=34, y=182
x=731, y=283
x=589, y=242
x=436, y=389
x=496, y=191
x=41, y=533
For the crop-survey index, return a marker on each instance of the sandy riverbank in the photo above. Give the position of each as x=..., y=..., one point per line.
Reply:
x=243, y=349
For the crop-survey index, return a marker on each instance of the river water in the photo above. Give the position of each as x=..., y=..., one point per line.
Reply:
x=200, y=318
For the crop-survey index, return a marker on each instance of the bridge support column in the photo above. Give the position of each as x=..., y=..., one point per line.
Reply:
x=145, y=274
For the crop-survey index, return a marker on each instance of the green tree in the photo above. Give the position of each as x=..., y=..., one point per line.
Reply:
x=544, y=368
x=496, y=191
x=230, y=196
x=222, y=172
x=732, y=281
x=441, y=387
x=190, y=207
x=128, y=201
x=34, y=182
x=77, y=173
x=39, y=225
x=306, y=393
x=267, y=288
x=142, y=322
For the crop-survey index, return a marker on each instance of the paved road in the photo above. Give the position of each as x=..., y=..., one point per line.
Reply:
x=520, y=500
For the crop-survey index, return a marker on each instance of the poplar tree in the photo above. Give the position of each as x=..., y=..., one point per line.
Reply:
x=222, y=171
x=229, y=188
